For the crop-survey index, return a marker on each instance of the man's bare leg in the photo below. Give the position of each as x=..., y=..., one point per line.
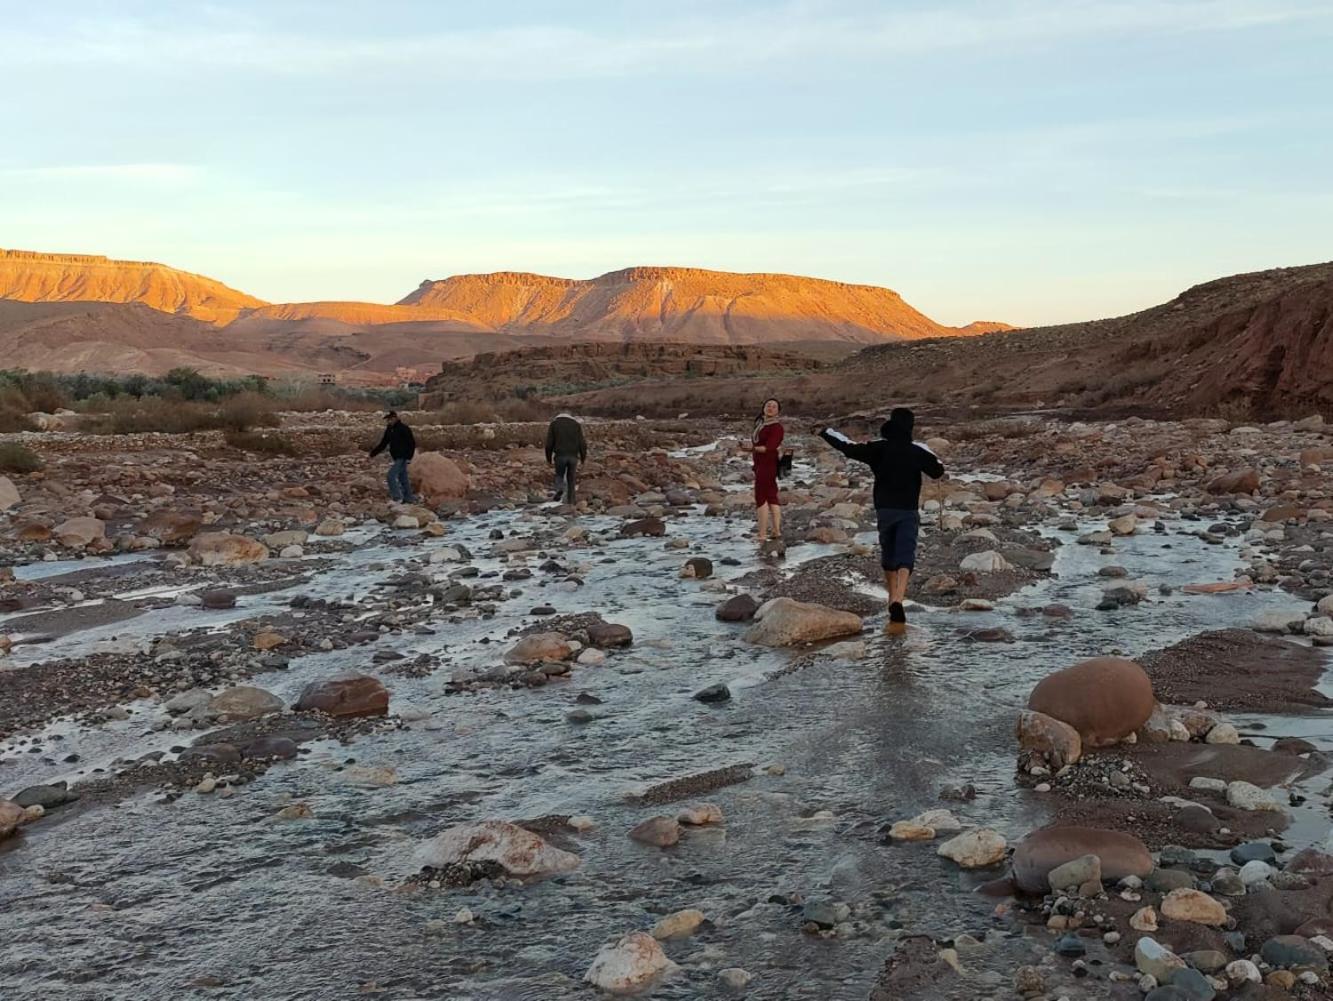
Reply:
x=895, y=581
x=898, y=588
x=762, y=512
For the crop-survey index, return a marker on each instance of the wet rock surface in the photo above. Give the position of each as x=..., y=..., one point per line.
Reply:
x=769, y=868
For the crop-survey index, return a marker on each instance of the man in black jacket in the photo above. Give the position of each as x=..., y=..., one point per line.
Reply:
x=565, y=448
x=402, y=446
x=898, y=464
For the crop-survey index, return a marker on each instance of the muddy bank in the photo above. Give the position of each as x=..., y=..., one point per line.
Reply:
x=1237, y=669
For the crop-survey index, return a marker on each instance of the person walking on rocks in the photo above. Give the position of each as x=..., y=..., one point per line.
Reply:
x=402, y=446
x=898, y=464
x=565, y=449
x=766, y=445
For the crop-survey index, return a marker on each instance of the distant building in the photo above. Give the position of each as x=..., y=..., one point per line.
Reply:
x=328, y=379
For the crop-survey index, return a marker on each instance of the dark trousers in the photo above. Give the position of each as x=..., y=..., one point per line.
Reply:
x=400, y=487
x=564, y=477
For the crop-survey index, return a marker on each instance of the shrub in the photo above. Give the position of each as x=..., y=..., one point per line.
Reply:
x=14, y=420
x=245, y=411
x=126, y=415
x=16, y=458
x=263, y=443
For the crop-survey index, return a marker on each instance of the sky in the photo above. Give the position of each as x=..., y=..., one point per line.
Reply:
x=1032, y=161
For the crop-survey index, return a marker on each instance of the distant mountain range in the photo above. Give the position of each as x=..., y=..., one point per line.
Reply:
x=66, y=312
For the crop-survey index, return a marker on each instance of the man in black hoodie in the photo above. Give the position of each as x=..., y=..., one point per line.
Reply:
x=898, y=464
x=402, y=446
x=565, y=448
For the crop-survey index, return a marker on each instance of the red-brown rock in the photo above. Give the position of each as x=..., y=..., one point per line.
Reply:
x=1041, y=851
x=1105, y=699
x=346, y=695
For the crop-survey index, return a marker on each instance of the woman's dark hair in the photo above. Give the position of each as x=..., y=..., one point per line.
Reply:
x=759, y=421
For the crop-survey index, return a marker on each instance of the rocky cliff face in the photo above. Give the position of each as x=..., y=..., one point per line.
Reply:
x=1259, y=344
x=26, y=276
x=682, y=305
x=556, y=370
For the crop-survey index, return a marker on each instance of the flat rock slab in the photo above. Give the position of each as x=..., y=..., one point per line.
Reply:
x=1234, y=669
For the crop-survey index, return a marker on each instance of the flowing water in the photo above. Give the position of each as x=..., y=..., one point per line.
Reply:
x=209, y=897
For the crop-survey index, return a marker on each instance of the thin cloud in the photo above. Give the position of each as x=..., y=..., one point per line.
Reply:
x=717, y=45
x=102, y=171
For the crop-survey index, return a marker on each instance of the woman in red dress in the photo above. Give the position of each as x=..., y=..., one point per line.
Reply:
x=766, y=443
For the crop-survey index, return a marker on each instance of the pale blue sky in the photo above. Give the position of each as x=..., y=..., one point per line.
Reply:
x=1023, y=160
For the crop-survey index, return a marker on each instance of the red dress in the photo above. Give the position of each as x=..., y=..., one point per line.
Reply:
x=766, y=465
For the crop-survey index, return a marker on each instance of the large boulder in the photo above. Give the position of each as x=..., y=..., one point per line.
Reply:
x=540, y=647
x=633, y=963
x=1242, y=481
x=79, y=532
x=1041, y=851
x=9, y=494
x=221, y=549
x=244, y=702
x=170, y=527
x=347, y=695
x=787, y=622
x=610, y=635
x=1057, y=742
x=1105, y=699
x=516, y=850
x=436, y=478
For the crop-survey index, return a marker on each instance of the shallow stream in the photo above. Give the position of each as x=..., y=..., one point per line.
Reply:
x=143, y=899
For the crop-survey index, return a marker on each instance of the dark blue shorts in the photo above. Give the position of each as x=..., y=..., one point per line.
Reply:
x=897, y=538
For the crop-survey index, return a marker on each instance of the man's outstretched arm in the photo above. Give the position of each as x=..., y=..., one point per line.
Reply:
x=930, y=462
x=852, y=449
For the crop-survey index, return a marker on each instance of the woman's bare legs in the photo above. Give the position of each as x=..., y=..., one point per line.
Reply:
x=762, y=512
x=777, y=520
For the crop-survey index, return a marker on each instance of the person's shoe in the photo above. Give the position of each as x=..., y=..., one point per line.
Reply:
x=559, y=495
x=897, y=614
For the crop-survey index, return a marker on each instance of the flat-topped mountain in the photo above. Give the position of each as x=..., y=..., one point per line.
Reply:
x=106, y=329
x=685, y=306
x=26, y=276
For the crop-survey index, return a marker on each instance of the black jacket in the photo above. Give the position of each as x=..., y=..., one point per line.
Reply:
x=565, y=437
x=398, y=440
x=897, y=465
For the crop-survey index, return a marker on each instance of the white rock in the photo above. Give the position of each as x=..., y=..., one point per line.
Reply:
x=1245, y=796
x=1243, y=971
x=518, y=851
x=681, y=924
x=975, y=849
x=633, y=963
x=988, y=561
x=1208, y=785
x=1156, y=960
x=1319, y=626
x=734, y=978
x=1223, y=733
x=1256, y=871
x=1279, y=622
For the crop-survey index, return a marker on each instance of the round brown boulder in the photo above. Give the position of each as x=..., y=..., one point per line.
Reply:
x=346, y=695
x=1105, y=699
x=1041, y=851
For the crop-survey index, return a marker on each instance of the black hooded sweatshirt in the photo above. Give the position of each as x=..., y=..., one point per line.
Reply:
x=398, y=439
x=897, y=462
